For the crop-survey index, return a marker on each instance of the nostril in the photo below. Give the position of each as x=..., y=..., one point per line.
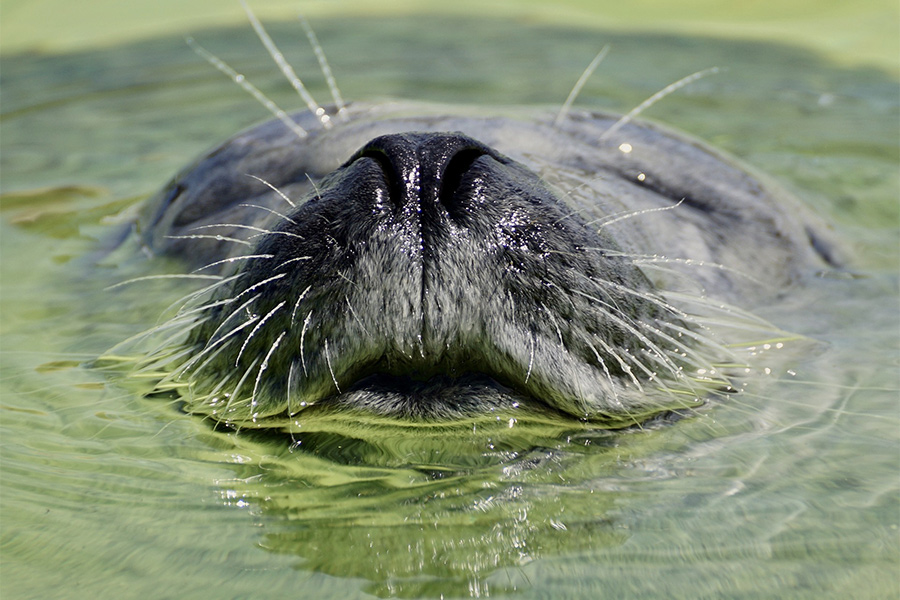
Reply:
x=392, y=172
x=424, y=170
x=451, y=179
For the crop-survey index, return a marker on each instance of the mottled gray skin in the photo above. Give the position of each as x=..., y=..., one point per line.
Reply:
x=434, y=263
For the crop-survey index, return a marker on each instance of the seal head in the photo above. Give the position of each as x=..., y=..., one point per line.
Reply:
x=433, y=276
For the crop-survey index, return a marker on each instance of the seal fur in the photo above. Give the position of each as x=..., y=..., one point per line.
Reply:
x=433, y=262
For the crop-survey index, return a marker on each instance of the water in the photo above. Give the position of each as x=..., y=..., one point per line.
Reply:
x=790, y=489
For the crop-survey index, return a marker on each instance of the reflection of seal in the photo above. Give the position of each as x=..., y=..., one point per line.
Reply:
x=387, y=264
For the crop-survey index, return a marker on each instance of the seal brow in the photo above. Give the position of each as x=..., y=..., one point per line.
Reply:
x=286, y=69
x=247, y=87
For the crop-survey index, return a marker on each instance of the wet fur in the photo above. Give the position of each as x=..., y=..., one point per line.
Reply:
x=589, y=273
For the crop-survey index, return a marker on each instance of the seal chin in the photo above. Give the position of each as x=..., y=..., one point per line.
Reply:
x=430, y=276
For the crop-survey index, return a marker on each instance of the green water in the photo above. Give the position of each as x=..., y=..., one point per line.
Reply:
x=788, y=490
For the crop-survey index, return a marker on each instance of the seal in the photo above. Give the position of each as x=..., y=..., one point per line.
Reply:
x=431, y=262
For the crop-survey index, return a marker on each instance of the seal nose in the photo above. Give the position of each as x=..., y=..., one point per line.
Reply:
x=424, y=170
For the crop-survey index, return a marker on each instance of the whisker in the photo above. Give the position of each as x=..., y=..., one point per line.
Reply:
x=269, y=210
x=273, y=188
x=250, y=227
x=355, y=316
x=218, y=238
x=187, y=299
x=286, y=69
x=330, y=368
x=610, y=219
x=233, y=259
x=672, y=87
x=555, y=325
x=290, y=385
x=262, y=368
x=297, y=303
x=618, y=357
x=564, y=111
x=613, y=315
x=240, y=383
x=158, y=277
x=291, y=260
x=261, y=322
x=530, y=360
x=260, y=284
x=323, y=65
x=183, y=329
x=166, y=325
x=209, y=348
x=248, y=87
x=229, y=317
x=657, y=263
x=302, y=340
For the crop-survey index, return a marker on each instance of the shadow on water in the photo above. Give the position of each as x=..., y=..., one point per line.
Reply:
x=789, y=487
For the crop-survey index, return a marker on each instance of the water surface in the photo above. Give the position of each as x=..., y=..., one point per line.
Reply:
x=788, y=489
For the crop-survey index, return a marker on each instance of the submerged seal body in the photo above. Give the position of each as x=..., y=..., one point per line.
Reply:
x=429, y=262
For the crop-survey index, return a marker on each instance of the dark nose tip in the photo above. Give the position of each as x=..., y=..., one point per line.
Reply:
x=424, y=169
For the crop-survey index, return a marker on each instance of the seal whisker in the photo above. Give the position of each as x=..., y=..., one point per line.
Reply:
x=656, y=263
x=355, y=315
x=610, y=351
x=223, y=382
x=262, y=368
x=271, y=211
x=631, y=328
x=151, y=364
x=297, y=304
x=672, y=87
x=142, y=335
x=607, y=221
x=530, y=358
x=330, y=368
x=249, y=227
x=200, y=295
x=230, y=406
x=183, y=326
x=291, y=260
x=717, y=306
x=218, y=238
x=286, y=69
x=613, y=388
x=325, y=67
x=559, y=334
x=281, y=194
x=643, y=295
x=228, y=318
x=289, y=394
x=212, y=345
x=564, y=111
x=302, y=339
x=229, y=260
x=159, y=277
x=255, y=330
x=260, y=284
x=248, y=87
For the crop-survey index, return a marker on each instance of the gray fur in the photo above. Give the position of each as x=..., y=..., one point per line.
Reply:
x=527, y=283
